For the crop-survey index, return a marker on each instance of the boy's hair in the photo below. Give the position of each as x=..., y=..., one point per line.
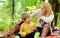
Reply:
x=24, y=16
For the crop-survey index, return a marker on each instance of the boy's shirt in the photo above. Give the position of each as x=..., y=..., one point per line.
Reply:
x=26, y=28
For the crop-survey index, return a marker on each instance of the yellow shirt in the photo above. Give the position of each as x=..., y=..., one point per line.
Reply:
x=26, y=28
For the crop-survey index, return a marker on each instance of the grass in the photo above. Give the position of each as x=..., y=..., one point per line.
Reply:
x=58, y=24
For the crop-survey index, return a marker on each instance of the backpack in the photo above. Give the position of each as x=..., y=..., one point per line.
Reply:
x=18, y=27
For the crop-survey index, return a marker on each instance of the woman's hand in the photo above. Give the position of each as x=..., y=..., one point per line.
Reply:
x=40, y=21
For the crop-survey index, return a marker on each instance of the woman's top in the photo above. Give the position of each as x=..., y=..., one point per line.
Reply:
x=38, y=13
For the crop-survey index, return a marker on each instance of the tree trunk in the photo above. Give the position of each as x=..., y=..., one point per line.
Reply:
x=13, y=6
x=12, y=12
x=56, y=11
x=54, y=4
x=43, y=0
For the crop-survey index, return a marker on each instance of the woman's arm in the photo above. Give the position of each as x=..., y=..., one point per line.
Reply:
x=35, y=13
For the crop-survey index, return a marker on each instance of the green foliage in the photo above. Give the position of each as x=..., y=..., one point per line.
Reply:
x=20, y=6
x=35, y=20
x=59, y=1
x=23, y=6
x=5, y=16
x=58, y=24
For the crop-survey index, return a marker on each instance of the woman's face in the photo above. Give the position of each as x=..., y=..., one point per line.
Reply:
x=42, y=9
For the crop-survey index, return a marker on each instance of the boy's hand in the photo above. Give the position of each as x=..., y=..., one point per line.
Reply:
x=33, y=28
x=23, y=34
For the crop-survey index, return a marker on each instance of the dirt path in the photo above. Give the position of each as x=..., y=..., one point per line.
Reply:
x=3, y=34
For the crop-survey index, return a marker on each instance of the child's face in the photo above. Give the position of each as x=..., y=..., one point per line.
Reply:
x=27, y=19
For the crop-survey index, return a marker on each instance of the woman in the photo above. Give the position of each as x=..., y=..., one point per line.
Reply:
x=45, y=16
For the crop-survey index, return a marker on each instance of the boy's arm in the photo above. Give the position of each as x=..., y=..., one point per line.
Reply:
x=34, y=26
x=22, y=31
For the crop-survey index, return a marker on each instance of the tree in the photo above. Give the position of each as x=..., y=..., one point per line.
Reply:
x=13, y=6
x=54, y=4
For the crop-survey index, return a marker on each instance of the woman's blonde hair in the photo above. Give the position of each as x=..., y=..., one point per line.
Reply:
x=48, y=8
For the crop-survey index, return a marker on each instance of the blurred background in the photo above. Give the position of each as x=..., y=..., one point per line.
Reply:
x=10, y=10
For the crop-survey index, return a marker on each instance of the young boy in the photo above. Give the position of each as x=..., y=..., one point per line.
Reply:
x=27, y=28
